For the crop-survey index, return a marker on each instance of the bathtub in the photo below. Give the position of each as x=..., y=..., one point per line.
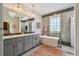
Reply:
x=49, y=40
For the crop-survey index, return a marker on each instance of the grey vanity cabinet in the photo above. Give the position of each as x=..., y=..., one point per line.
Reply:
x=28, y=42
x=19, y=48
x=35, y=39
x=13, y=47
x=8, y=50
x=9, y=47
x=16, y=46
x=20, y=45
x=5, y=50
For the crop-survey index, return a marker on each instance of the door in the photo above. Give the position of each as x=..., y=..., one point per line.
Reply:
x=20, y=47
x=9, y=47
x=28, y=42
x=5, y=50
x=14, y=49
x=8, y=50
x=35, y=40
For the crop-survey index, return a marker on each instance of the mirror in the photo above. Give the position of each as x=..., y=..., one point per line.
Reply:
x=27, y=25
x=6, y=27
x=11, y=26
x=13, y=22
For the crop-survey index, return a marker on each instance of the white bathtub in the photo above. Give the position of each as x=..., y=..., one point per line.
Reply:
x=49, y=40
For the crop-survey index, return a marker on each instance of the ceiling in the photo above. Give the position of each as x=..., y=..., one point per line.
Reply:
x=45, y=8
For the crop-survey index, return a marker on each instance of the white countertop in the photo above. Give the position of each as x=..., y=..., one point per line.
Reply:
x=14, y=36
x=57, y=38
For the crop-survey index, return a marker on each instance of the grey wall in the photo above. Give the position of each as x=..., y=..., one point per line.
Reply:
x=1, y=41
x=77, y=29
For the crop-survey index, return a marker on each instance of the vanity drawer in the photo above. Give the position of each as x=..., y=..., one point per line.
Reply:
x=20, y=39
x=28, y=40
x=8, y=41
x=35, y=38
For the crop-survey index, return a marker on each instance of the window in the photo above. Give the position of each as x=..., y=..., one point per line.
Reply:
x=55, y=24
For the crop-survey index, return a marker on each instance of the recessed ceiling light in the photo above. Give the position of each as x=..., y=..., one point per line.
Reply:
x=11, y=13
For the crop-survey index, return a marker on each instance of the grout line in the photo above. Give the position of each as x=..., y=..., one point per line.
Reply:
x=69, y=52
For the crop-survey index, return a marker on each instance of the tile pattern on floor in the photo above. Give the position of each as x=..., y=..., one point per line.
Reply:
x=69, y=51
x=45, y=50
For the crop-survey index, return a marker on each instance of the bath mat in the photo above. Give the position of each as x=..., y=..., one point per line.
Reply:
x=46, y=50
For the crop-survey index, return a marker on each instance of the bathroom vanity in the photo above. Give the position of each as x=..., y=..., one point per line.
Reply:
x=19, y=44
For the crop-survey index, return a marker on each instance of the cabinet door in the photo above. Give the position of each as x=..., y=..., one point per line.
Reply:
x=9, y=47
x=28, y=39
x=8, y=50
x=35, y=40
x=15, y=49
x=20, y=45
x=28, y=43
x=5, y=50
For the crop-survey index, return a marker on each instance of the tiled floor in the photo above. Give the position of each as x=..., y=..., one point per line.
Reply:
x=45, y=50
x=69, y=51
